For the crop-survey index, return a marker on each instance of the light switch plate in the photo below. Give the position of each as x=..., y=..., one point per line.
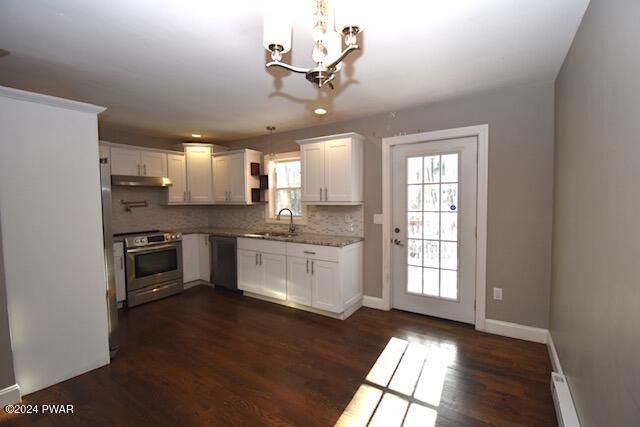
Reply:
x=377, y=219
x=497, y=294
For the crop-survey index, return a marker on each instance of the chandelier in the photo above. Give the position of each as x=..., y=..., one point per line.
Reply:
x=327, y=51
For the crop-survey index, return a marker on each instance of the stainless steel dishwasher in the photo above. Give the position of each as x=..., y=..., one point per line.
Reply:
x=223, y=262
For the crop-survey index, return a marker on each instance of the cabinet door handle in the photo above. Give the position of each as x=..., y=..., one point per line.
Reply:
x=184, y=196
x=189, y=195
x=307, y=266
x=144, y=167
x=139, y=169
x=260, y=259
x=320, y=193
x=122, y=263
x=312, y=265
x=326, y=195
x=256, y=258
x=309, y=252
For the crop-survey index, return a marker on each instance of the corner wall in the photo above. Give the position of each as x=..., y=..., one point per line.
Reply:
x=595, y=300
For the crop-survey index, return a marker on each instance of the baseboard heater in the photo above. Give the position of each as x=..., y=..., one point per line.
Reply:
x=565, y=410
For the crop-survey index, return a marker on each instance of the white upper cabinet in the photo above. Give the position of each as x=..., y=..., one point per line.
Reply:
x=153, y=163
x=312, y=160
x=232, y=179
x=125, y=161
x=199, y=173
x=332, y=169
x=129, y=161
x=220, y=178
x=177, y=173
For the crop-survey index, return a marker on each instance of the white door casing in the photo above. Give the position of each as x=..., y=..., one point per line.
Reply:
x=482, y=134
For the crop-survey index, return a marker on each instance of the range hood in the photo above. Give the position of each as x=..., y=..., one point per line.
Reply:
x=140, y=181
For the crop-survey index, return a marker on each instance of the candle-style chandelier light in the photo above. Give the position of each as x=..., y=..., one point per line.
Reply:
x=330, y=23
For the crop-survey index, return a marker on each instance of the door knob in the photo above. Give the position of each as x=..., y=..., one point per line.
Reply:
x=397, y=242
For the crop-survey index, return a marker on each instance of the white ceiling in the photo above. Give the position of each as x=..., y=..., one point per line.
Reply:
x=175, y=67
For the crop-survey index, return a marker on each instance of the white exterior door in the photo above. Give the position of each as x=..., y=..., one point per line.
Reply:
x=125, y=162
x=153, y=163
x=220, y=178
x=312, y=164
x=274, y=283
x=249, y=271
x=299, y=280
x=433, y=228
x=236, y=178
x=325, y=285
x=177, y=173
x=337, y=170
x=199, y=174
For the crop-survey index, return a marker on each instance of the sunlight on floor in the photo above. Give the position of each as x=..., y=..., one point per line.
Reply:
x=403, y=388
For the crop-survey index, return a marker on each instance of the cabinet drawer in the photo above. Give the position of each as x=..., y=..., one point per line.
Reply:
x=266, y=246
x=326, y=253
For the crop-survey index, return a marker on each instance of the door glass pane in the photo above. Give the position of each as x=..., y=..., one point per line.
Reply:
x=414, y=170
x=414, y=280
x=449, y=284
x=414, y=252
x=449, y=168
x=431, y=253
x=449, y=198
x=431, y=280
x=432, y=169
x=414, y=198
x=432, y=225
x=414, y=225
x=432, y=197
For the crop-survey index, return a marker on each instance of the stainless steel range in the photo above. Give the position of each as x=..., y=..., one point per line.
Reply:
x=153, y=267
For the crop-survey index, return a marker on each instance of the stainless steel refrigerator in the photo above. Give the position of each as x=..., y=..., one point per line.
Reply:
x=110, y=284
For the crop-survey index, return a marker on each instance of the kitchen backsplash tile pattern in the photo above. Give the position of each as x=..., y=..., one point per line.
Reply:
x=333, y=220
x=156, y=216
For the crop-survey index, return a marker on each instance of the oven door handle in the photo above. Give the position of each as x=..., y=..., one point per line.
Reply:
x=152, y=248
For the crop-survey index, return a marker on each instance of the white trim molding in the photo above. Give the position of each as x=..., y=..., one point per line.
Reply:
x=10, y=395
x=23, y=95
x=482, y=133
x=374, y=302
x=553, y=355
x=515, y=330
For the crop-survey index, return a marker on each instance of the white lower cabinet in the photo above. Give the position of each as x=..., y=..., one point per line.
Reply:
x=118, y=271
x=298, y=280
x=195, y=257
x=324, y=278
x=190, y=258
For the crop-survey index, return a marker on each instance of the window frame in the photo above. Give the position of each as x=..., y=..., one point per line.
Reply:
x=270, y=215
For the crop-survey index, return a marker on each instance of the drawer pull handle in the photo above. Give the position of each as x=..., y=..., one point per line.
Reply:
x=309, y=252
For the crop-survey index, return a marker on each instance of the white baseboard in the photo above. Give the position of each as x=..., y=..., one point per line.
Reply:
x=10, y=395
x=553, y=355
x=515, y=330
x=374, y=302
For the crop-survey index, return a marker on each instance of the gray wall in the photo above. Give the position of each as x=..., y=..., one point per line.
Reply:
x=6, y=356
x=595, y=301
x=520, y=187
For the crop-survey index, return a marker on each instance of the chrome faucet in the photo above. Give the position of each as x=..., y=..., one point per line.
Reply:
x=292, y=226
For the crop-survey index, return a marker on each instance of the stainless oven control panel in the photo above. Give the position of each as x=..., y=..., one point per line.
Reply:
x=151, y=239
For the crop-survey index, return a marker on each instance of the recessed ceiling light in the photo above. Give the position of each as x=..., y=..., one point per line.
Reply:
x=196, y=135
x=320, y=111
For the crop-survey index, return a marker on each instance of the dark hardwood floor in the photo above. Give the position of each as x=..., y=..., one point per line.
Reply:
x=209, y=357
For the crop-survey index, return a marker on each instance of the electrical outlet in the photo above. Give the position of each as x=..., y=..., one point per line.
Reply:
x=497, y=294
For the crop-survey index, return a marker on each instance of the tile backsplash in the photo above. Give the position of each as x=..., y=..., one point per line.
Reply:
x=332, y=220
x=156, y=216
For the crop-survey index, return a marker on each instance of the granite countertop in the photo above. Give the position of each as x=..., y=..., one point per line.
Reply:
x=307, y=238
